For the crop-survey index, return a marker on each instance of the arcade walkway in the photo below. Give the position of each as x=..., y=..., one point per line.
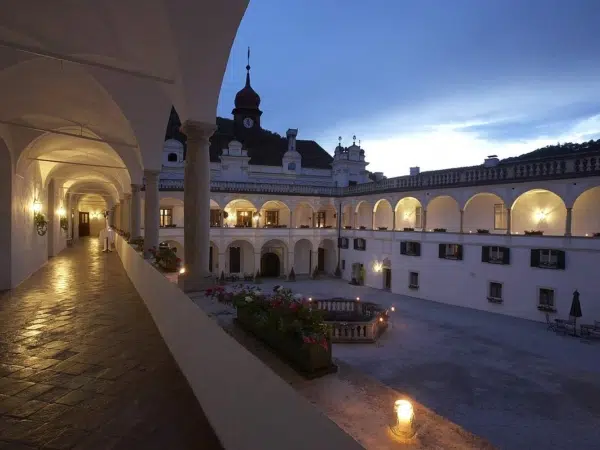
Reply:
x=83, y=366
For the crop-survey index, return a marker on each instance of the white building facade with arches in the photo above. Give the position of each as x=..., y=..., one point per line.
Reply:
x=514, y=238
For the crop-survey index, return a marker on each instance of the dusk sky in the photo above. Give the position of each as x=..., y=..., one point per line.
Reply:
x=429, y=83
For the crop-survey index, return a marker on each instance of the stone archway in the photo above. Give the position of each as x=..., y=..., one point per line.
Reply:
x=270, y=265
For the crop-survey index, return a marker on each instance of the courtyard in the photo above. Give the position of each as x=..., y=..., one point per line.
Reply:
x=508, y=380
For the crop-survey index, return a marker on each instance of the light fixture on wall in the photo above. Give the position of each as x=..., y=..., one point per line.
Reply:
x=377, y=267
x=541, y=215
x=39, y=220
x=64, y=223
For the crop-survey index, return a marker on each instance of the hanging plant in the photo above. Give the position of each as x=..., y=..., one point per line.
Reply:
x=64, y=223
x=41, y=224
x=225, y=214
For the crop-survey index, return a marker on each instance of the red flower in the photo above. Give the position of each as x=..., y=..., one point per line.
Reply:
x=294, y=306
x=178, y=260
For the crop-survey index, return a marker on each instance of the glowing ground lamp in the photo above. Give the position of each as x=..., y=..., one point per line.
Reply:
x=405, y=416
x=182, y=271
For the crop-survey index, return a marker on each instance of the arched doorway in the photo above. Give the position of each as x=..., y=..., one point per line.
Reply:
x=270, y=266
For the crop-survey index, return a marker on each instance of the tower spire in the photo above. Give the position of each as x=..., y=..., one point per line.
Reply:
x=248, y=69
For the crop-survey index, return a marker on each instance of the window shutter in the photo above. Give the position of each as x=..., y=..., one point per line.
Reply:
x=535, y=257
x=442, y=250
x=485, y=254
x=339, y=242
x=355, y=244
x=506, y=255
x=364, y=244
x=460, y=252
x=403, y=248
x=561, y=259
x=418, y=248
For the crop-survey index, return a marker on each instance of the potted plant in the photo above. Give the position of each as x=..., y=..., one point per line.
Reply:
x=534, y=233
x=596, y=235
x=285, y=322
x=482, y=231
x=292, y=275
x=409, y=229
x=40, y=222
x=347, y=227
x=362, y=227
x=64, y=223
x=382, y=228
x=439, y=230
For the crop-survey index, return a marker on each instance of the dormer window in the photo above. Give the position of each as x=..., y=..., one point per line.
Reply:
x=292, y=166
x=172, y=157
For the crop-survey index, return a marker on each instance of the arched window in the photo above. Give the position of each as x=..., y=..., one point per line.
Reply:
x=292, y=166
x=172, y=157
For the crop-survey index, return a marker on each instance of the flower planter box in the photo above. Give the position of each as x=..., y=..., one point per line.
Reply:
x=483, y=231
x=310, y=360
x=534, y=233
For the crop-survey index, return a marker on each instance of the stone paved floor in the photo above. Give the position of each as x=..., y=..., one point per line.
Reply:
x=508, y=380
x=83, y=366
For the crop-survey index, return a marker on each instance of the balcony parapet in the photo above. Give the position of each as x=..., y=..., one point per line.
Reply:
x=582, y=165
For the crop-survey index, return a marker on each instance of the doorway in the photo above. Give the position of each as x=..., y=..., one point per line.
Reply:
x=84, y=224
x=387, y=278
x=235, y=260
x=321, y=259
x=269, y=265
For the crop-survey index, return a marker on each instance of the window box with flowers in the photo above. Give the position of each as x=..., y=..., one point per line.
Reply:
x=285, y=322
x=166, y=258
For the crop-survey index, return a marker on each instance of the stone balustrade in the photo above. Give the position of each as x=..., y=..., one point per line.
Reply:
x=581, y=165
x=352, y=320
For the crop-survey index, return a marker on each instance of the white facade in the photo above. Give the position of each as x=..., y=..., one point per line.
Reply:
x=566, y=208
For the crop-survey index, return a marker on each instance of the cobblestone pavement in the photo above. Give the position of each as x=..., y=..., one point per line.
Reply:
x=83, y=366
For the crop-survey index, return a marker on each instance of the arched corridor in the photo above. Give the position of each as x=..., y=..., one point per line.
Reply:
x=78, y=349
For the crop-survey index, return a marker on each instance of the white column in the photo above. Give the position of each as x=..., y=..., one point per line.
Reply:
x=136, y=211
x=69, y=209
x=196, y=206
x=568, y=225
x=424, y=219
x=257, y=256
x=122, y=215
x=127, y=214
x=151, y=212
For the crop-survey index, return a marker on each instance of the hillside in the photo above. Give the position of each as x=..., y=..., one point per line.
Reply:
x=557, y=150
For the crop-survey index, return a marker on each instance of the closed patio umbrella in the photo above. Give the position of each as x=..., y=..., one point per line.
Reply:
x=575, y=311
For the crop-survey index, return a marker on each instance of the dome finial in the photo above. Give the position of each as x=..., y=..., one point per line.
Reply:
x=354, y=140
x=248, y=69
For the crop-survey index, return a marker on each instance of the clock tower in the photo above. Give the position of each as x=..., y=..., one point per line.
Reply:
x=246, y=114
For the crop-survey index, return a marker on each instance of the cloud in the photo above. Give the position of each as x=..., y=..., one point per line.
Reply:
x=463, y=128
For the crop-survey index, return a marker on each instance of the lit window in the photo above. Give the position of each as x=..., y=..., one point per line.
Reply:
x=548, y=258
x=496, y=254
x=166, y=217
x=272, y=218
x=320, y=219
x=452, y=250
x=500, y=217
x=418, y=217
x=244, y=218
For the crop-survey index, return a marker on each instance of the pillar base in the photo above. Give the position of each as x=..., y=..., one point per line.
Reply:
x=195, y=283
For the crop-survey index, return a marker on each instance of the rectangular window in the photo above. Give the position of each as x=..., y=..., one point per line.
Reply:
x=166, y=217
x=450, y=251
x=418, y=217
x=500, y=217
x=410, y=248
x=343, y=242
x=495, y=292
x=413, y=280
x=343, y=264
x=548, y=258
x=320, y=219
x=546, y=298
x=271, y=218
x=244, y=218
x=495, y=255
x=215, y=217
x=360, y=244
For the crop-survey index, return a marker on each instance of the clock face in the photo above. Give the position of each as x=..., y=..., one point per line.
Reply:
x=248, y=122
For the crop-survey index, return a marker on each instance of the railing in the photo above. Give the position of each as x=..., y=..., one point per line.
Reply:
x=584, y=165
x=352, y=320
